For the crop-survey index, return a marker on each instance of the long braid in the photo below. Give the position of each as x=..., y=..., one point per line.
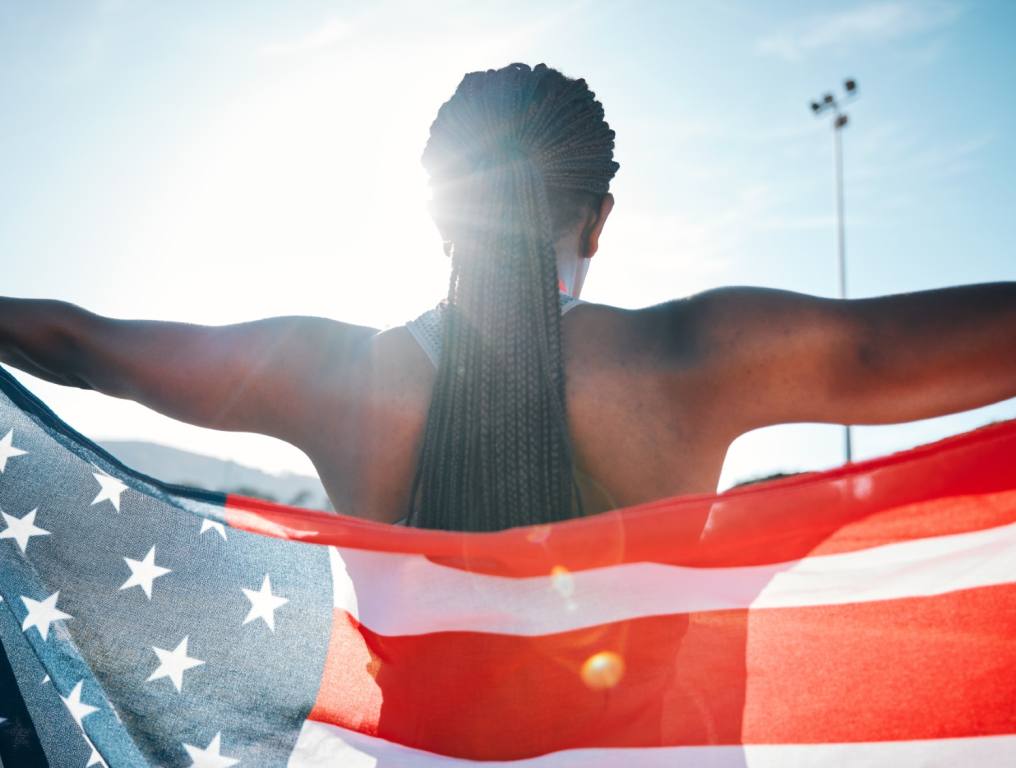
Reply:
x=512, y=155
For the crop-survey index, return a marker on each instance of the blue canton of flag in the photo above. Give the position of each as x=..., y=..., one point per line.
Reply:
x=136, y=628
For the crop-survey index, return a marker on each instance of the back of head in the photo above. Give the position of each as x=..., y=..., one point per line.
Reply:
x=513, y=156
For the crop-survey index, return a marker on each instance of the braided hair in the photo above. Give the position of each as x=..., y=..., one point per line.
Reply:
x=514, y=157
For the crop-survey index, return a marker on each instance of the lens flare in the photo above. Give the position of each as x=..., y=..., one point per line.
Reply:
x=603, y=670
x=561, y=578
x=538, y=534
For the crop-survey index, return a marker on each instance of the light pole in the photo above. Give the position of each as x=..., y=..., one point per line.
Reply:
x=828, y=103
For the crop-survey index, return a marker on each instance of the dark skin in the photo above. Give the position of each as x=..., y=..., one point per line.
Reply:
x=655, y=396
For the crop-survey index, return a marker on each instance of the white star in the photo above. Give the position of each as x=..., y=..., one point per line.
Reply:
x=44, y=680
x=173, y=664
x=209, y=757
x=211, y=525
x=144, y=572
x=79, y=710
x=42, y=614
x=94, y=758
x=110, y=490
x=7, y=449
x=3, y=720
x=263, y=603
x=21, y=529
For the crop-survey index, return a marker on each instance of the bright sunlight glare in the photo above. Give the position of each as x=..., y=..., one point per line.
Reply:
x=288, y=181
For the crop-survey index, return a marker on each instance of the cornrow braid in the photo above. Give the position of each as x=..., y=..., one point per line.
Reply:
x=511, y=156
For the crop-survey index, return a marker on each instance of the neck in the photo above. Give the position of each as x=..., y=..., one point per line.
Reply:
x=571, y=263
x=571, y=272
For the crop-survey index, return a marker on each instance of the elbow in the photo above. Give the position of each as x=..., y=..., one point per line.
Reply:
x=47, y=339
x=69, y=346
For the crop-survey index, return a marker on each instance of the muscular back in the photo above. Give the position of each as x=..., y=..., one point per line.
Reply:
x=640, y=425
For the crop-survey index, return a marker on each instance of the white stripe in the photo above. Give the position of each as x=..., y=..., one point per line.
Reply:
x=323, y=746
x=399, y=594
x=343, y=591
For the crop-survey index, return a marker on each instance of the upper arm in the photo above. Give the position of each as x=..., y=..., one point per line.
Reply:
x=270, y=376
x=777, y=356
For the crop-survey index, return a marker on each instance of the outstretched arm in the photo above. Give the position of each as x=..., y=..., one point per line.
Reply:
x=263, y=376
x=781, y=357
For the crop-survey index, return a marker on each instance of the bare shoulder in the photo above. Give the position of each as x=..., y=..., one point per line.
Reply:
x=395, y=362
x=652, y=355
x=644, y=418
x=661, y=336
x=725, y=326
x=761, y=355
x=720, y=358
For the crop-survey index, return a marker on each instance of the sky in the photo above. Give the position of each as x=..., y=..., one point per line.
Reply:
x=216, y=163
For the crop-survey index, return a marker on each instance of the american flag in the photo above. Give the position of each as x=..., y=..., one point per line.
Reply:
x=859, y=617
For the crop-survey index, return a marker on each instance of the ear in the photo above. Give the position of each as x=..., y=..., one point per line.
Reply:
x=594, y=226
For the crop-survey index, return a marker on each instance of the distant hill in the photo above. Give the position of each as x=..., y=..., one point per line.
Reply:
x=766, y=478
x=173, y=465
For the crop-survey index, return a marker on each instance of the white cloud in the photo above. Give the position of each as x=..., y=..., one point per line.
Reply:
x=323, y=37
x=890, y=150
x=956, y=159
x=798, y=223
x=870, y=23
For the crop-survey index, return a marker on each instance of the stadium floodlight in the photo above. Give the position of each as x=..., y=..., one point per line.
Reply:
x=829, y=102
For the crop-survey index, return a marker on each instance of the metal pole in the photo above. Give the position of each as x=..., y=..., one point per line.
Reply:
x=829, y=102
x=840, y=232
x=841, y=250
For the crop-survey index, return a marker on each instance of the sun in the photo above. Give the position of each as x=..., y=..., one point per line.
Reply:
x=292, y=203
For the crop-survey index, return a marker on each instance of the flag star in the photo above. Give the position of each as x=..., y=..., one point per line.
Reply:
x=263, y=603
x=21, y=529
x=94, y=758
x=144, y=572
x=173, y=664
x=44, y=680
x=42, y=614
x=3, y=720
x=211, y=525
x=211, y=756
x=110, y=490
x=7, y=449
x=79, y=710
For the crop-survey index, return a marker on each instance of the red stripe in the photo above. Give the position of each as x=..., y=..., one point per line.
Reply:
x=919, y=668
x=923, y=519
x=896, y=498
x=925, y=668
